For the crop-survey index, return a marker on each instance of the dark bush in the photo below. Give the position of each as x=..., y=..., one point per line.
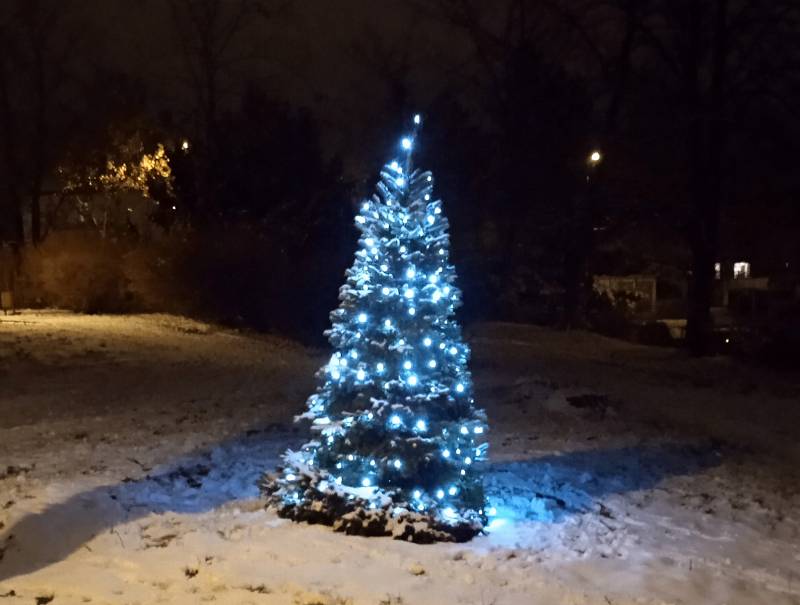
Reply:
x=77, y=270
x=655, y=333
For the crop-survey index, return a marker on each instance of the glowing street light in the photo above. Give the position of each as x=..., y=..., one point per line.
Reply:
x=185, y=145
x=595, y=157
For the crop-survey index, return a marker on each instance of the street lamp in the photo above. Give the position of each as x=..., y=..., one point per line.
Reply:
x=595, y=157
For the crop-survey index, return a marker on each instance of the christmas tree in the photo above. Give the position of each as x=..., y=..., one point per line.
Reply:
x=398, y=440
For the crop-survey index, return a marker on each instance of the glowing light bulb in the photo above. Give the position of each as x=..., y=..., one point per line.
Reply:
x=422, y=425
x=460, y=388
x=440, y=494
x=441, y=251
x=452, y=491
x=430, y=178
x=335, y=374
x=360, y=220
x=385, y=291
x=412, y=380
x=427, y=341
x=436, y=296
x=417, y=494
x=427, y=197
x=361, y=374
x=402, y=249
x=365, y=206
x=384, y=267
x=463, y=472
x=432, y=363
x=478, y=430
x=464, y=430
x=453, y=350
x=410, y=272
x=409, y=293
x=436, y=210
x=291, y=477
x=362, y=318
x=406, y=143
x=407, y=365
x=350, y=457
x=354, y=354
x=417, y=118
x=433, y=279
x=387, y=323
x=338, y=480
x=395, y=421
x=412, y=311
x=394, y=166
x=441, y=345
x=366, y=482
x=369, y=242
x=491, y=511
x=372, y=463
x=467, y=460
x=397, y=464
x=343, y=362
x=400, y=181
x=379, y=366
x=445, y=453
x=446, y=290
x=431, y=219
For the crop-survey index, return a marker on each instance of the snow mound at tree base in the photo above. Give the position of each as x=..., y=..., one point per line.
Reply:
x=321, y=502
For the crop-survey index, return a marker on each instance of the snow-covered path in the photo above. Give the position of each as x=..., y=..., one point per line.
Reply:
x=130, y=446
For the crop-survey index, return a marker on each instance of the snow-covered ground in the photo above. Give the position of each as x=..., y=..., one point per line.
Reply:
x=130, y=447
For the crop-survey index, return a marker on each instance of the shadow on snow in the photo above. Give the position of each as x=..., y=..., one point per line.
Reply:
x=545, y=489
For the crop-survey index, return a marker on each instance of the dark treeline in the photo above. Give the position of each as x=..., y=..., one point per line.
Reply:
x=273, y=118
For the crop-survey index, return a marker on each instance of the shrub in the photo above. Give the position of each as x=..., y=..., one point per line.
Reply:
x=77, y=270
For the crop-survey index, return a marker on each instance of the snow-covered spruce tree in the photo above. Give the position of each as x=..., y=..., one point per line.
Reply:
x=398, y=440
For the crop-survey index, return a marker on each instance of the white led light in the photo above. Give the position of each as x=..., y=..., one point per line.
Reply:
x=412, y=380
x=394, y=166
x=412, y=311
x=460, y=388
x=464, y=430
x=445, y=453
x=387, y=323
x=478, y=430
x=400, y=181
x=431, y=219
x=406, y=143
x=361, y=374
x=427, y=197
x=362, y=318
x=421, y=425
x=453, y=350
x=441, y=251
x=354, y=354
x=369, y=242
x=410, y=272
x=379, y=366
x=417, y=118
x=432, y=363
x=467, y=460
x=397, y=464
x=427, y=341
x=452, y=491
x=407, y=365
x=291, y=477
x=436, y=296
x=440, y=494
x=395, y=420
x=384, y=267
x=409, y=293
x=360, y=220
x=335, y=374
x=366, y=482
x=417, y=494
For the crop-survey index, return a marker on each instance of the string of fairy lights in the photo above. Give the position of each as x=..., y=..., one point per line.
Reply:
x=399, y=353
